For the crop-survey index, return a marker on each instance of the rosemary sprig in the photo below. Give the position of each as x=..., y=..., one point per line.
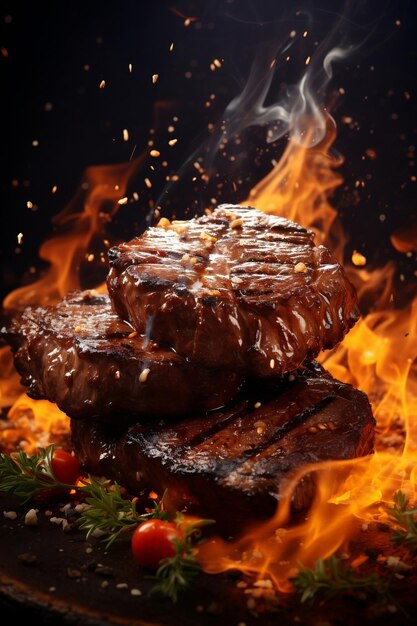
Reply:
x=405, y=518
x=111, y=513
x=108, y=512
x=330, y=577
x=175, y=573
x=26, y=475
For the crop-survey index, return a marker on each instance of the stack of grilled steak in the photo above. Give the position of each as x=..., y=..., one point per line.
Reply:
x=197, y=373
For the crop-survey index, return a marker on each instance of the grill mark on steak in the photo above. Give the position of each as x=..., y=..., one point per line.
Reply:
x=233, y=297
x=214, y=428
x=80, y=355
x=285, y=429
x=219, y=465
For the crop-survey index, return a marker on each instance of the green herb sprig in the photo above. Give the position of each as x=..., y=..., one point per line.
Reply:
x=25, y=476
x=108, y=512
x=175, y=573
x=330, y=577
x=404, y=517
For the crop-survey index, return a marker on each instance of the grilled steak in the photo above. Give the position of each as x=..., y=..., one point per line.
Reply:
x=80, y=355
x=231, y=464
x=237, y=288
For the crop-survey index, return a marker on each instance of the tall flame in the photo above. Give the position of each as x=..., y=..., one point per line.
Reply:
x=100, y=195
x=81, y=239
x=378, y=356
x=305, y=177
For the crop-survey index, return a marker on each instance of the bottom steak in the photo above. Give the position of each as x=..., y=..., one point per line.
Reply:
x=231, y=464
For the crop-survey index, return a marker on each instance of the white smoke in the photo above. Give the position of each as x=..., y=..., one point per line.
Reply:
x=299, y=112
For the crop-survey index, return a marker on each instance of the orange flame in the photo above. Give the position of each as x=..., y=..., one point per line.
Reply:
x=80, y=233
x=378, y=356
x=34, y=423
x=103, y=189
x=10, y=387
x=299, y=186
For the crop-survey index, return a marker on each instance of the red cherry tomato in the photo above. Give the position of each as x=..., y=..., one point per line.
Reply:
x=152, y=541
x=65, y=467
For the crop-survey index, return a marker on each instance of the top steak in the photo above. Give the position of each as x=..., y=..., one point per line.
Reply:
x=80, y=355
x=237, y=288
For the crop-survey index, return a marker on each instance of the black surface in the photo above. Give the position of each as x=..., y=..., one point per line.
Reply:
x=212, y=601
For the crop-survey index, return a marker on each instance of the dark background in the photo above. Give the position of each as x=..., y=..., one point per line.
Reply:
x=54, y=56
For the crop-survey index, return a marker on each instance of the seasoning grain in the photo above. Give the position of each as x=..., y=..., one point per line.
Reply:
x=31, y=517
x=300, y=268
x=135, y=592
x=143, y=376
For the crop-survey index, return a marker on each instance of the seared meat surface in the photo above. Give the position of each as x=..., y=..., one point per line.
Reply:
x=232, y=464
x=237, y=288
x=80, y=355
x=195, y=373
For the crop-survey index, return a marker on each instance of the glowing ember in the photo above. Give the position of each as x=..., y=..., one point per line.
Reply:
x=358, y=259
